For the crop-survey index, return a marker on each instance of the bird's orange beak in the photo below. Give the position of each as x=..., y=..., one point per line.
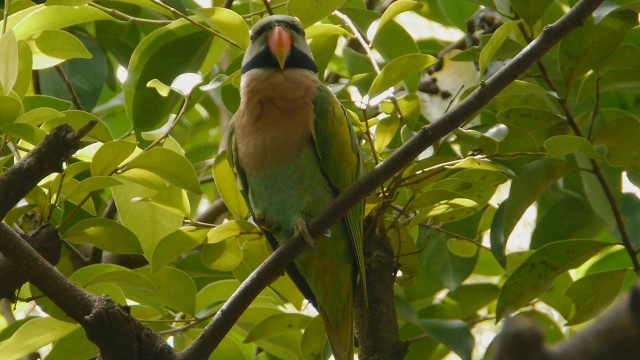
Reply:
x=279, y=42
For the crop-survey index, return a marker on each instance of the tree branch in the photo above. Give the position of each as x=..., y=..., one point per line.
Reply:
x=275, y=265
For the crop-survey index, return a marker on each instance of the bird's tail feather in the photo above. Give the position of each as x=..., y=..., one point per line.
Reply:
x=340, y=334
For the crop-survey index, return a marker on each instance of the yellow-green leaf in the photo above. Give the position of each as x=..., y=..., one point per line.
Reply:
x=227, y=23
x=52, y=47
x=397, y=70
x=227, y=188
x=170, y=166
x=105, y=234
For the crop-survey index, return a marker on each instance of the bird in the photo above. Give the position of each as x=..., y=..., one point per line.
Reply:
x=293, y=150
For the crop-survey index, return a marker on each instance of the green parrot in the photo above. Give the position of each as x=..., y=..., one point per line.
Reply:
x=293, y=150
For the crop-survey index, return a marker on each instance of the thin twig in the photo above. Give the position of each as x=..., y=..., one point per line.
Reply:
x=72, y=92
x=263, y=11
x=267, y=6
x=179, y=14
x=596, y=108
x=597, y=171
x=128, y=17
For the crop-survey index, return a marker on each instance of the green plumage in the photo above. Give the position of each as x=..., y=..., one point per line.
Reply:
x=293, y=151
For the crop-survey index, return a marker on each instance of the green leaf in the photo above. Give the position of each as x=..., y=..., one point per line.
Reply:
x=492, y=46
x=92, y=184
x=35, y=334
x=277, y=324
x=541, y=124
x=175, y=245
x=170, y=166
x=227, y=23
x=397, y=8
x=385, y=131
x=105, y=234
x=531, y=182
x=176, y=288
x=588, y=45
x=559, y=222
x=593, y=293
x=27, y=132
x=10, y=109
x=109, y=156
x=470, y=298
x=37, y=18
x=8, y=62
x=323, y=49
x=74, y=346
x=397, y=70
x=314, y=339
x=531, y=10
x=620, y=138
x=561, y=145
x=215, y=294
x=52, y=47
x=40, y=115
x=229, y=229
x=325, y=30
x=454, y=334
x=25, y=64
x=164, y=54
x=312, y=12
x=222, y=256
x=482, y=164
x=137, y=215
x=227, y=187
x=443, y=266
x=534, y=276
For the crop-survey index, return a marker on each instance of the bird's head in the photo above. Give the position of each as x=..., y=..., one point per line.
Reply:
x=277, y=42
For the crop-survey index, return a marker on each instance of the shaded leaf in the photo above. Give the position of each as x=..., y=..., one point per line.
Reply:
x=175, y=245
x=534, y=276
x=593, y=293
x=311, y=12
x=620, y=137
x=561, y=145
x=454, y=334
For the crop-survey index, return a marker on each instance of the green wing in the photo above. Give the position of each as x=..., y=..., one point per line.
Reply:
x=339, y=154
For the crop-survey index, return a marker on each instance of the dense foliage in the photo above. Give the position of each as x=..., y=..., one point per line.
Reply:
x=130, y=205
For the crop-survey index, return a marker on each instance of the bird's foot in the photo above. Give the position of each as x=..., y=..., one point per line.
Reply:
x=300, y=228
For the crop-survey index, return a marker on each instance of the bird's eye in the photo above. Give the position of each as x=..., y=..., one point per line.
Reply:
x=251, y=36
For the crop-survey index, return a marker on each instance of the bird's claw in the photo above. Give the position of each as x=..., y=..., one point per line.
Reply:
x=301, y=229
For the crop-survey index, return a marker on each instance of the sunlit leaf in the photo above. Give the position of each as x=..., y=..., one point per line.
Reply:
x=276, y=325
x=227, y=23
x=105, y=234
x=227, y=187
x=35, y=334
x=169, y=165
x=397, y=70
x=52, y=47
x=492, y=46
x=311, y=12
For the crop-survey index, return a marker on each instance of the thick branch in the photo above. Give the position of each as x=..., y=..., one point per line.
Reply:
x=376, y=322
x=282, y=257
x=46, y=241
x=43, y=160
